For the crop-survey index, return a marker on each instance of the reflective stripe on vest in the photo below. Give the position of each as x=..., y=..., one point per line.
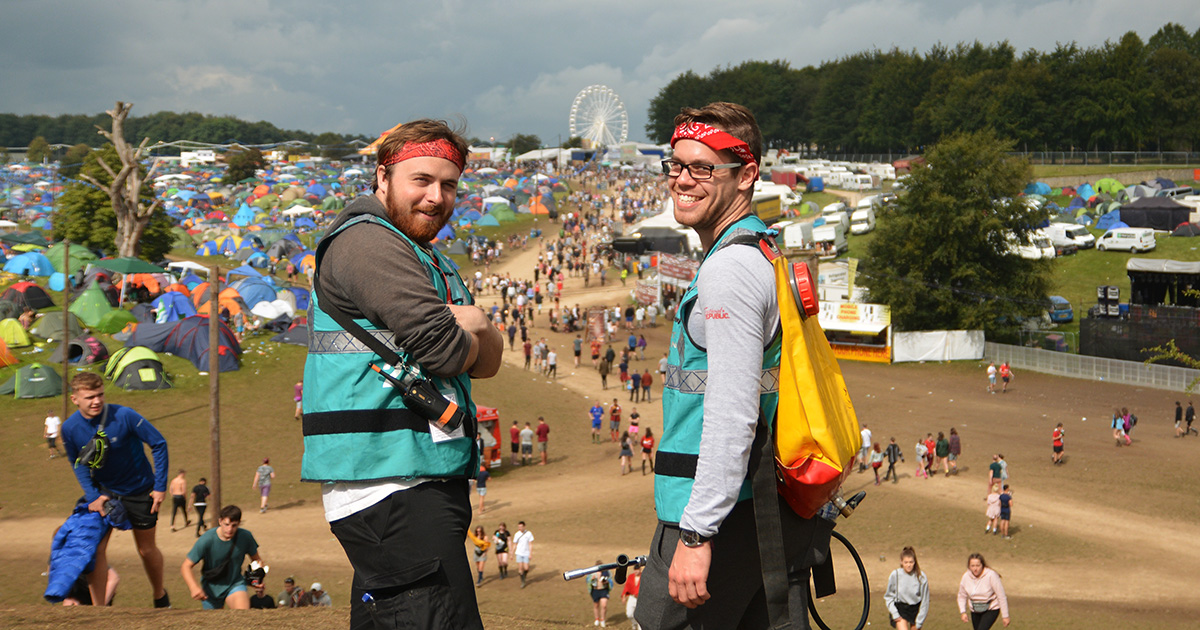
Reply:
x=695, y=381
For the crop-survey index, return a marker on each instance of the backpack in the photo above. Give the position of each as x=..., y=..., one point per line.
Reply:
x=816, y=432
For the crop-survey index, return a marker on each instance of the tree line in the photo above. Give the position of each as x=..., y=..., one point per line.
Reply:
x=1123, y=95
x=73, y=129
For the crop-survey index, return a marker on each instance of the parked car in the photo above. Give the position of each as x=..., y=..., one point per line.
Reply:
x=1060, y=310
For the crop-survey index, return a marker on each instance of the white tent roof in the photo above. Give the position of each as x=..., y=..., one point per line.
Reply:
x=187, y=264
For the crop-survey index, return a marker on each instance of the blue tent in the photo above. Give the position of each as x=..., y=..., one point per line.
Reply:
x=1086, y=191
x=191, y=280
x=1108, y=221
x=172, y=306
x=1038, y=188
x=1076, y=203
x=58, y=281
x=304, y=222
x=254, y=290
x=228, y=245
x=244, y=270
x=208, y=248
x=29, y=263
x=302, y=299
x=488, y=220
x=316, y=190
x=258, y=260
x=446, y=233
x=244, y=216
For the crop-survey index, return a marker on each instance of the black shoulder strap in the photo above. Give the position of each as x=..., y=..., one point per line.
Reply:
x=349, y=325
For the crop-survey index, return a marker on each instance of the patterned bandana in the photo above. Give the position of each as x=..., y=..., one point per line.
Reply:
x=714, y=139
x=440, y=148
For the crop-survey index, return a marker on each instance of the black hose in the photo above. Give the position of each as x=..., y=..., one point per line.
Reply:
x=862, y=622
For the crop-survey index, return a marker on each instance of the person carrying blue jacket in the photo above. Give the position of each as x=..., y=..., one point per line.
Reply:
x=114, y=466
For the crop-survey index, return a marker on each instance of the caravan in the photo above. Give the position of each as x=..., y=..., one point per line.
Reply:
x=1036, y=247
x=837, y=212
x=831, y=240
x=862, y=221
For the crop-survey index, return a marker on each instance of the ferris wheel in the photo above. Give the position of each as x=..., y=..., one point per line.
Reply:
x=598, y=116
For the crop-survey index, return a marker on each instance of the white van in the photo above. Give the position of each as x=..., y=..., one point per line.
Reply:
x=1127, y=239
x=1080, y=235
x=862, y=221
x=830, y=239
x=837, y=212
x=795, y=234
x=1036, y=248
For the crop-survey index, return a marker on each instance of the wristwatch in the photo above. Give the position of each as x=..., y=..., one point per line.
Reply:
x=691, y=539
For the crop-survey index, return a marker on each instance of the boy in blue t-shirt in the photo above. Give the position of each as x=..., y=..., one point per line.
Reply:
x=122, y=473
x=227, y=544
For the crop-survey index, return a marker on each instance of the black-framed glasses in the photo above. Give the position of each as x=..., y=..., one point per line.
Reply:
x=698, y=172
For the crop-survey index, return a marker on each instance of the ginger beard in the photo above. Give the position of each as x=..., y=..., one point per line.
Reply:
x=419, y=196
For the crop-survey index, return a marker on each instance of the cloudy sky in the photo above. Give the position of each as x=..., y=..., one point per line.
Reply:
x=505, y=67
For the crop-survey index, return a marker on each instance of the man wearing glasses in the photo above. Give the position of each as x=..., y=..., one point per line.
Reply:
x=703, y=569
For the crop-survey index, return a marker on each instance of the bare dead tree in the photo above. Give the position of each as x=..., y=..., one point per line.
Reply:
x=125, y=189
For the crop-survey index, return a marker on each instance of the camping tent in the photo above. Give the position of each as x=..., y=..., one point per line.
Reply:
x=29, y=264
x=28, y=294
x=137, y=367
x=172, y=306
x=1159, y=213
x=113, y=321
x=50, y=326
x=33, y=381
x=1187, y=229
x=79, y=257
x=188, y=339
x=91, y=305
x=84, y=350
x=13, y=334
x=297, y=335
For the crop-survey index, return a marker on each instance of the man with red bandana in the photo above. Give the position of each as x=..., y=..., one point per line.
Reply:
x=703, y=569
x=394, y=482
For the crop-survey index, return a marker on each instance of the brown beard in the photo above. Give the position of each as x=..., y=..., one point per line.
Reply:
x=401, y=216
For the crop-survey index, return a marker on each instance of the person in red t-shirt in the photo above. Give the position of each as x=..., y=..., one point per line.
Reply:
x=1058, y=435
x=543, y=433
x=515, y=437
x=614, y=419
x=630, y=594
x=647, y=448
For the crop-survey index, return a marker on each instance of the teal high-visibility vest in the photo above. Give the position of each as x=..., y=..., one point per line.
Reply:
x=683, y=398
x=356, y=427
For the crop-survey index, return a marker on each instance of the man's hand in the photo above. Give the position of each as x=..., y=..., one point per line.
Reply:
x=486, y=352
x=470, y=318
x=688, y=578
x=198, y=593
x=98, y=504
x=158, y=499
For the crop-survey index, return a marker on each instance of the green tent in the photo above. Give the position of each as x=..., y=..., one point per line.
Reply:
x=91, y=305
x=1108, y=185
x=136, y=368
x=50, y=326
x=13, y=334
x=503, y=213
x=33, y=381
x=114, y=321
x=80, y=256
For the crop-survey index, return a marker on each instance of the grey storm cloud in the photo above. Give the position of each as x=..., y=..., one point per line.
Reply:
x=504, y=67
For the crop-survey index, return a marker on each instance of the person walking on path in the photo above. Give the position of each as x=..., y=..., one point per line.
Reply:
x=523, y=542
x=1057, y=438
x=907, y=594
x=893, y=455
x=482, y=544
x=647, y=451
x=543, y=439
x=200, y=494
x=865, y=452
x=262, y=481
x=876, y=461
x=114, y=467
x=994, y=471
x=552, y=364
x=626, y=454
x=1006, y=375
x=178, y=491
x=1006, y=502
x=991, y=377
x=993, y=510
x=604, y=367
x=981, y=597
x=641, y=347
x=599, y=585
x=1189, y=417
x=614, y=420
x=635, y=386
x=597, y=414
x=500, y=544
x=222, y=550
x=526, y=445
x=577, y=347
x=955, y=450
x=52, y=427
x=1118, y=427
x=298, y=397
x=647, y=380
x=514, y=436
x=942, y=450
x=629, y=595
x=481, y=482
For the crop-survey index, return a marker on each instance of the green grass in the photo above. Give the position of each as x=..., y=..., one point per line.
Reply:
x=1067, y=170
x=822, y=199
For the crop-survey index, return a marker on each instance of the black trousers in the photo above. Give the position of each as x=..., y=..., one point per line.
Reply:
x=407, y=554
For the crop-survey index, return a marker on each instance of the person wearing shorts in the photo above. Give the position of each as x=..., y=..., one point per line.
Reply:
x=481, y=481
x=225, y=541
x=1006, y=502
x=262, y=480
x=53, y=425
x=298, y=397
x=543, y=438
x=526, y=444
x=514, y=436
x=522, y=540
x=597, y=412
x=1057, y=438
x=614, y=419
x=991, y=376
x=124, y=475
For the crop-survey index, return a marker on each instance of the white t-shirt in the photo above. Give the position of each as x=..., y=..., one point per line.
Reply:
x=343, y=499
x=866, y=438
x=523, y=541
x=52, y=425
x=552, y=358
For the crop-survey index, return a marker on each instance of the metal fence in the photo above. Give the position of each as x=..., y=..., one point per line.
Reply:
x=1080, y=158
x=1166, y=377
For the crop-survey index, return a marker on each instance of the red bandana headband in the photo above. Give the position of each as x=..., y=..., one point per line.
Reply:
x=440, y=148
x=714, y=139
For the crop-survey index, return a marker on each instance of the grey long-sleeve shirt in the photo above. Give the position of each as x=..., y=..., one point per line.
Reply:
x=909, y=589
x=735, y=316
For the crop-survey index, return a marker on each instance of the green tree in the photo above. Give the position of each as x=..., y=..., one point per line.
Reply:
x=72, y=161
x=85, y=215
x=574, y=142
x=941, y=260
x=38, y=151
x=243, y=164
x=523, y=143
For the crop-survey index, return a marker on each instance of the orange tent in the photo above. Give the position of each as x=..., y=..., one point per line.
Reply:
x=179, y=288
x=262, y=190
x=537, y=207
x=6, y=356
x=154, y=282
x=228, y=298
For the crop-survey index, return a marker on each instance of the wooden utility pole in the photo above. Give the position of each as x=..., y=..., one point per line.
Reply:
x=65, y=345
x=214, y=384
